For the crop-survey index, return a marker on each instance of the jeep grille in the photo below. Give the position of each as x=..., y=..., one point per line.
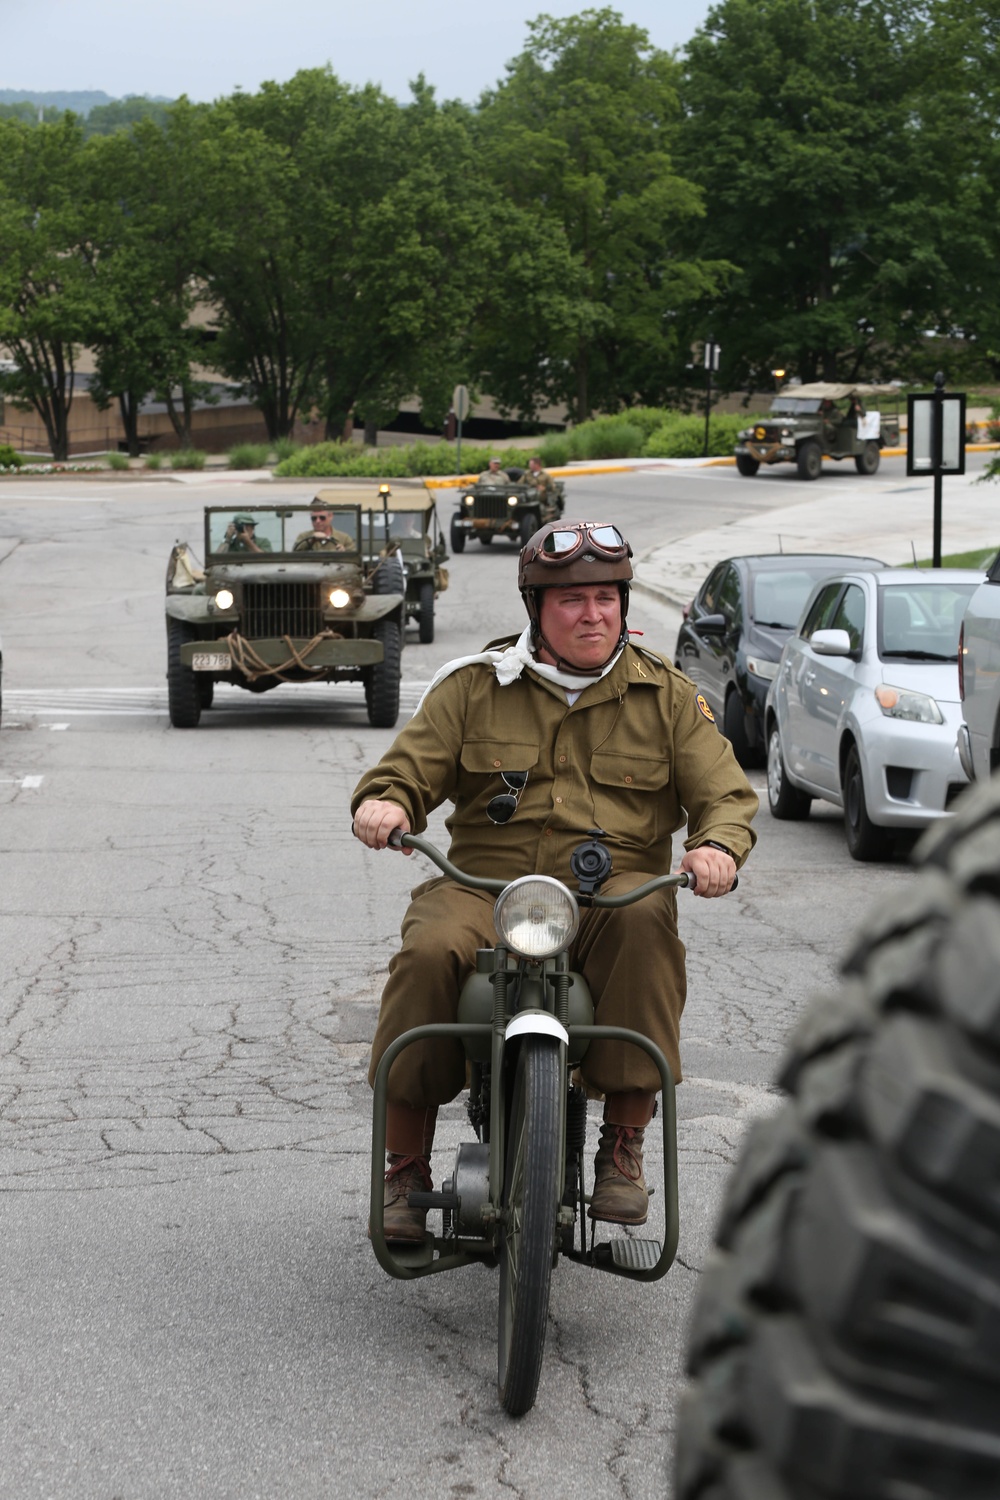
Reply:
x=492, y=507
x=276, y=609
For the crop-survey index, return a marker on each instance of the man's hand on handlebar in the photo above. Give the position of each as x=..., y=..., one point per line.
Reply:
x=714, y=871
x=374, y=821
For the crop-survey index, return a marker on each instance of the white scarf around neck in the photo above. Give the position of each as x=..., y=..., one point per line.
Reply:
x=509, y=663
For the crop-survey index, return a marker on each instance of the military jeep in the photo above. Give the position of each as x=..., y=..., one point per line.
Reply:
x=278, y=601
x=513, y=509
x=807, y=422
x=405, y=522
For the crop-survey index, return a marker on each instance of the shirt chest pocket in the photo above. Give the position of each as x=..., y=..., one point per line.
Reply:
x=630, y=795
x=491, y=757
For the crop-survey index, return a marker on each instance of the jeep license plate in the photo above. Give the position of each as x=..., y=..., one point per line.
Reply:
x=211, y=661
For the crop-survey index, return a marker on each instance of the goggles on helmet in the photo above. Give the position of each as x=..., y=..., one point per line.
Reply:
x=563, y=543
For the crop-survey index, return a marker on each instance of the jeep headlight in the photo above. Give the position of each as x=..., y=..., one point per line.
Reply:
x=224, y=599
x=469, y=499
x=536, y=916
x=902, y=703
x=512, y=499
x=339, y=598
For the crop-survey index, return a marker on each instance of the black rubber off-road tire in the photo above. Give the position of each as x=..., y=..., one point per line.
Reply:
x=746, y=465
x=868, y=461
x=183, y=692
x=530, y=1210
x=382, y=680
x=425, y=617
x=809, y=460
x=845, y=1339
x=529, y=523
x=457, y=538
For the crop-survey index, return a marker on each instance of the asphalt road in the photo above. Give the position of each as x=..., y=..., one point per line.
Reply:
x=192, y=948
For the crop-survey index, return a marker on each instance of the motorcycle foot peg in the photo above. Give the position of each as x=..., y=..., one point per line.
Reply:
x=432, y=1200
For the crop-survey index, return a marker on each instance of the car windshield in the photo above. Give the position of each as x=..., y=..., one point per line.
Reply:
x=285, y=528
x=921, y=621
x=779, y=597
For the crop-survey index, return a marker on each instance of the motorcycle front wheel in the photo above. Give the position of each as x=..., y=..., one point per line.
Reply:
x=530, y=1208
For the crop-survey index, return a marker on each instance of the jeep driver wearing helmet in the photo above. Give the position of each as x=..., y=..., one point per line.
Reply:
x=535, y=741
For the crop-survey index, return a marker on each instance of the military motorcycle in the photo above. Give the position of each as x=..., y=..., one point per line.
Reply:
x=516, y=1196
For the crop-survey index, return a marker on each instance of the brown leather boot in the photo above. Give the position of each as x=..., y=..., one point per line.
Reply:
x=406, y=1174
x=620, y=1195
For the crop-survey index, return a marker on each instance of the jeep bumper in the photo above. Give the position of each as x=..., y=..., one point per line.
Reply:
x=213, y=656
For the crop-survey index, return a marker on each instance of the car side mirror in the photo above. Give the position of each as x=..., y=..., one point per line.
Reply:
x=831, y=643
x=712, y=625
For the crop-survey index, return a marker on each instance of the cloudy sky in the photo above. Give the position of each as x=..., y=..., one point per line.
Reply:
x=207, y=48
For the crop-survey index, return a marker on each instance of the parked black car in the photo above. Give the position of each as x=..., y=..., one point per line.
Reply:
x=735, y=627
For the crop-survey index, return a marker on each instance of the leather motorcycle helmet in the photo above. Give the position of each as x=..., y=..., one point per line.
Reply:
x=565, y=552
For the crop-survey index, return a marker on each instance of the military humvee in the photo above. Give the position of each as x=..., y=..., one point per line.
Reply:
x=279, y=602
x=405, y=521
x=808, y=422
x=511, y=509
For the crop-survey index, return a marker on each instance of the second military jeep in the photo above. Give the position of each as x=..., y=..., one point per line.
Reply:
x=809, y=422
x=405, y=521
x=280, y=601
x=513, y=509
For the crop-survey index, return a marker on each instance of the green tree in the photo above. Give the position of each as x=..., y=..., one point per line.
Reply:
x=819, y=132
x=46, y=293
x=154, y=223
x=579, y=140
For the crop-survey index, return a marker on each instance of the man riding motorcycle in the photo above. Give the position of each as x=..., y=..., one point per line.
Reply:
x=536, y=741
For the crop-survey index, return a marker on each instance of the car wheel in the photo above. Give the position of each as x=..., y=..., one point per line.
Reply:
x=529, y=524
x=734, y=727
x=843, y=1340
x=865, y=840
x=425, y=617
x=183, y=694
x=457, y=538
x=809, y=460
x=868, y=460
x=785, y=800
x=747, y=466
x=382, y=680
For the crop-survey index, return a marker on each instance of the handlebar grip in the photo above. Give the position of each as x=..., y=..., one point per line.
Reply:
x=692, y=882
x=398, y=839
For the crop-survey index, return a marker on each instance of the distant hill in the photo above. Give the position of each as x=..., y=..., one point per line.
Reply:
x=81, y=102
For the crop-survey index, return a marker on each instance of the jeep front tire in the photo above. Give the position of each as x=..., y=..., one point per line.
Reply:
x=183, y=694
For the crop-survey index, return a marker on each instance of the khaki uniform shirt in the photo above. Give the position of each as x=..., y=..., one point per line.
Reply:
x=489, y=477
x=315, y=541
x=635, y=755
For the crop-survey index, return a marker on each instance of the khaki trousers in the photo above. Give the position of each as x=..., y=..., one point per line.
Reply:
x=631, y=958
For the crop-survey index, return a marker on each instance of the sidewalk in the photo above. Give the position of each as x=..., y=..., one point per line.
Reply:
x=893, y=520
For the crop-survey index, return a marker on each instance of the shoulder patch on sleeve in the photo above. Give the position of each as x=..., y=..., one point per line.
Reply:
x=700, y=700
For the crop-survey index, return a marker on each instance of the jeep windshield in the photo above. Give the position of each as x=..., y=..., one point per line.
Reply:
x=794, y=406
x=242, y=531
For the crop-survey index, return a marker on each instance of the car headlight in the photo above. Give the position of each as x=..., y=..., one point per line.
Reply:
x=758, y=667
x=469, y=499
x=224, y=599
x=536, y=916
x=339, y=598
x=902, y=703
x=511, y=499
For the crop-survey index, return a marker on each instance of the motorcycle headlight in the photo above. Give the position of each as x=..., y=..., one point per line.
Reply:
x=536, y=916
x=901, y=703
x=224, y=599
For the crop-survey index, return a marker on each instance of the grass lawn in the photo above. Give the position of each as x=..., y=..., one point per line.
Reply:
x=980, y=559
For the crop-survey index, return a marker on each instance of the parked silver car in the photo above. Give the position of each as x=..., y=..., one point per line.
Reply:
x=864, y=710
x=979, y=679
